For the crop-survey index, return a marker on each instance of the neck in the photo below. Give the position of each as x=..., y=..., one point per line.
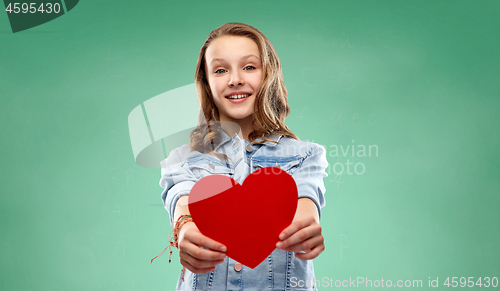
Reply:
x=243, y=127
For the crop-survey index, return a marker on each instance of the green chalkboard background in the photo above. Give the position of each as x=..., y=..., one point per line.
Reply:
x=417, y=80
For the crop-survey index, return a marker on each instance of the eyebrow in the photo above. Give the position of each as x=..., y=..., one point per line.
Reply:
x=244, y=57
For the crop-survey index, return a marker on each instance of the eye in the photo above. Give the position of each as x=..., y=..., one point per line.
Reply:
x=220, y=71
x=249, y=68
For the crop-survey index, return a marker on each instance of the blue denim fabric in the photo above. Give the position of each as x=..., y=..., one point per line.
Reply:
x=305, y=161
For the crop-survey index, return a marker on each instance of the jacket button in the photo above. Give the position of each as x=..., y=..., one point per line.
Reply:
x=237, y=267
x=277, y=166
x=249, y=148
x=211, y=166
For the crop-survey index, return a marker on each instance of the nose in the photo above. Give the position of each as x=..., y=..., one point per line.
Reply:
x=236, y=79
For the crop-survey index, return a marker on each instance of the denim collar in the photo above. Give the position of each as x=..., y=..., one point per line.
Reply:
x=226, y=138
x=274, y=137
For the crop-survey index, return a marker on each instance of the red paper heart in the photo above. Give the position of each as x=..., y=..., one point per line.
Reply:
x=246, y=218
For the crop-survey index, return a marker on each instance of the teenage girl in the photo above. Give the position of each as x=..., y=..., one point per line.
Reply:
x=243, y=104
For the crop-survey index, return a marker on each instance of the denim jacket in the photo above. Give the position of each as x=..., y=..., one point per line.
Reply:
x=304, y=161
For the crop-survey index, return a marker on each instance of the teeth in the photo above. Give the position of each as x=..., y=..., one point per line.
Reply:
x=238, y=96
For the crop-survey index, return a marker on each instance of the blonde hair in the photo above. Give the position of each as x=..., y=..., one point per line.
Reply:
x=271, y=104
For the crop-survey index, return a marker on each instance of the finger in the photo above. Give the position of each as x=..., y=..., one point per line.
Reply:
x=188, y=247
x=291, y=229
x=199, y=239
x=305, y=245
x=195, y=270
x=197, y=263
x=314, y=253
x=300, y=236
x=295, y=226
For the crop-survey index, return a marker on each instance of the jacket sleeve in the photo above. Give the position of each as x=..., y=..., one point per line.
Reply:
x=309, y=177
x=176, y=180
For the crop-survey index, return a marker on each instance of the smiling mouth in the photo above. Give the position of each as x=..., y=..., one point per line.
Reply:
x=239, y=96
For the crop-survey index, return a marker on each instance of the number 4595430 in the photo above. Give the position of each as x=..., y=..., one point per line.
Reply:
x=32, y=8
x=471, y=282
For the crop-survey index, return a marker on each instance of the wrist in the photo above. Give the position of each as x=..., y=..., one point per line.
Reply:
x=182, y=228
x=173, y=241
x=183, y=219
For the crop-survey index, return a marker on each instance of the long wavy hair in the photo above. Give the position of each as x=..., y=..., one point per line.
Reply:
x=271, y=104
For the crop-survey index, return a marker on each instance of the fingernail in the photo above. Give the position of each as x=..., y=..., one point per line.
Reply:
x=222, y=256
x=279, y=244
x=223, y=248
x=282, y=236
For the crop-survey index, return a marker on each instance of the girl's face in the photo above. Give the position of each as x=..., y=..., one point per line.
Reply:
x=234, y=73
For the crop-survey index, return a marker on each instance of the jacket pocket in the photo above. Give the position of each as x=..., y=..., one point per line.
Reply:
x=205, y=165
x=287, y=164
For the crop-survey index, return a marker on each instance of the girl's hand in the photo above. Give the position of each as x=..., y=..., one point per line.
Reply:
x=193, y=257
x=303, y=235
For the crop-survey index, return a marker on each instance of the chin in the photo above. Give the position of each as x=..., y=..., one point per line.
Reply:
x=240, y=117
